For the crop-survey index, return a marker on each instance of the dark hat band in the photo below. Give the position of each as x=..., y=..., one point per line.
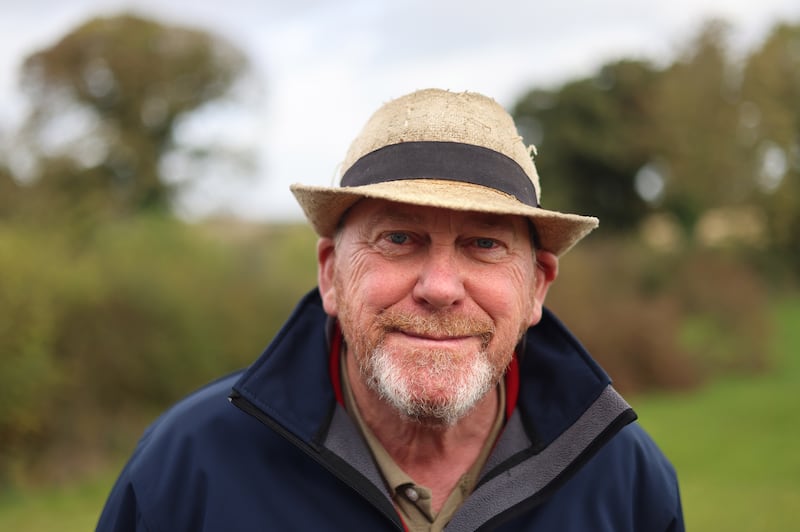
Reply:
x=452, y=161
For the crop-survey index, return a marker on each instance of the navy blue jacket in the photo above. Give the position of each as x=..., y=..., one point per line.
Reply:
x=570, y=457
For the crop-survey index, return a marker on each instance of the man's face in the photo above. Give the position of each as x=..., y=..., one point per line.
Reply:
x=432, y=301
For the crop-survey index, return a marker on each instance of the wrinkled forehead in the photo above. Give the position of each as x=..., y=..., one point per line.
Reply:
x=369, y=212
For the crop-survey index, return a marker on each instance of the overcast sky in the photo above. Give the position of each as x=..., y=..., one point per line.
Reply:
x=326, y=65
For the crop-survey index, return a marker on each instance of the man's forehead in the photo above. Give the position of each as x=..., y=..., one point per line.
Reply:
x=377, y=211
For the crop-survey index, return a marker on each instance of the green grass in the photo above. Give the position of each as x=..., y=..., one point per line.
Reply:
x=734, y=444
x=69, y=508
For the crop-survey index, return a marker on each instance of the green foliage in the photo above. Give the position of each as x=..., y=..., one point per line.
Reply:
x=663, y=321
x=8, y=191
x=770, y=92
x=703, y=133
x=33, y=286
x=126, y=323
x=725, y=324
x=107, y=100
x=695, y=121
x=593, y=138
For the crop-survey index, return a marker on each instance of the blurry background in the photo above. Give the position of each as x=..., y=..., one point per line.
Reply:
x=148, y=241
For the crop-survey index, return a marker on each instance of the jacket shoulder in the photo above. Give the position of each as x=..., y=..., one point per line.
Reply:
x=627, y=486
x=638, y=483
x=193, y=413
x=168, y=472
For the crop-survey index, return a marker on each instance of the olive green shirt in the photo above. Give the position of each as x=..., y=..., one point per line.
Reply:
x=413, y=501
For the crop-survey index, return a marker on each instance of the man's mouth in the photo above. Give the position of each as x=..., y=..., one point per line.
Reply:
x=438, y=330
x=436, y=341
x=433, y=336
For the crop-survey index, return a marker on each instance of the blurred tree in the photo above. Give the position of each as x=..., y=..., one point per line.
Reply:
x=696, y=121
x=594, y=135
x=702, y=133
x=8, y=191
x=106, y=102
x=770, y=122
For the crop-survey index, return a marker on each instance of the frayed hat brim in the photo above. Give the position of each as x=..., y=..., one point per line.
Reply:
x=325, y=206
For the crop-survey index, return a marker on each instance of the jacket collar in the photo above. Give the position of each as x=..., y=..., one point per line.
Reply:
x=290, y=382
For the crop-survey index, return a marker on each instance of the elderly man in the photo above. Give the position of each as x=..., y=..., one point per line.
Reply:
x=423, y=386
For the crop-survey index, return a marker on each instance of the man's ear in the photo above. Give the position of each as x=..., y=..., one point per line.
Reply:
x=326, y=260
x=546, y=272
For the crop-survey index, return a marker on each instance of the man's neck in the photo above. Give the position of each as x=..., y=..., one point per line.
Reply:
x=434, y=456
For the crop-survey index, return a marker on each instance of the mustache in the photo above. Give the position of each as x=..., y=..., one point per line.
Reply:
x=436, y=324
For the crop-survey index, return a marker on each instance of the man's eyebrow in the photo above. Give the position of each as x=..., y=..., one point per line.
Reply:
x=491, y=221
x=394, y=216
x=480, y=221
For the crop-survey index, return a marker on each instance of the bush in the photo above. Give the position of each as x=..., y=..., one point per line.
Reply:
x=658, y=321
x=725, y=321
x=38, y=281
x=97, y=333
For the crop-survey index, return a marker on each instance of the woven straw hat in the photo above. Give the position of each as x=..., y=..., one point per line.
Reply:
x=442, y=149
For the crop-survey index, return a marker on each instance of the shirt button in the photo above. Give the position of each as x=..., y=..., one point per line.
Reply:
x=412, y=494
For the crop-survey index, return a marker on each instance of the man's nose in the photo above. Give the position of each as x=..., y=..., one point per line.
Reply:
x=440, y=283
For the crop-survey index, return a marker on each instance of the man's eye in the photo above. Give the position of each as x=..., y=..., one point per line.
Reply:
x=397, y=238
x=485, y=243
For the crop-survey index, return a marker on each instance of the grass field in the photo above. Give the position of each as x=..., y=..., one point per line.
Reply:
x=65, y=509
x=734, y=444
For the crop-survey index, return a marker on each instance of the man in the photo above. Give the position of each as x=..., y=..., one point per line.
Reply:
x=423, y=386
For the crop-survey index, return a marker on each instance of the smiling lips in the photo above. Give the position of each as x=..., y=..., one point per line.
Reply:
x=437, y=341
x=436, y=326
x=438, y=338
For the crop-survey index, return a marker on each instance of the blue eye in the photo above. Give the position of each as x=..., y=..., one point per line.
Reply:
x=398, y=238
x=484, y=243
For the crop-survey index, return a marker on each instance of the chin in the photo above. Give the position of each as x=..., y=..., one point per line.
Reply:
x=433, y=423
x=430, y=388
x=435, y=409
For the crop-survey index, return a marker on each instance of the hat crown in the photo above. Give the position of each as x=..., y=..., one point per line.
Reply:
x=437, y=115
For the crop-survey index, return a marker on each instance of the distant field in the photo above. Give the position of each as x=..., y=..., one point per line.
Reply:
x=68, y=509
x=734, y=444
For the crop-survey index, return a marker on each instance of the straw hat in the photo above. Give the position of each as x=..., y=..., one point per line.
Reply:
x=442, y=149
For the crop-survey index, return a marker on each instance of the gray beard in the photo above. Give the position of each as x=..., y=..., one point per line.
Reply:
x=466, y=386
